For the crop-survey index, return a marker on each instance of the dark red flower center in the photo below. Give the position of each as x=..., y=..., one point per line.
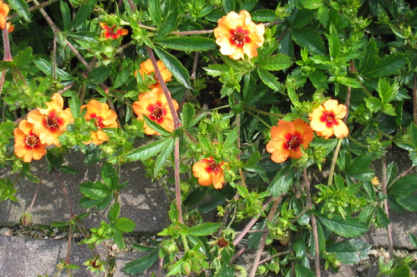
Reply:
x=52, y=121
x=98, y=121
x=157, y=113
x=329, y=118
x=293, y=141
x=239, y=37
x=212, y=166
x=31, y=141
x=222, y=242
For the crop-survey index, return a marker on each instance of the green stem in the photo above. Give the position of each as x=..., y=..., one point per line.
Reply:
x=265, y=113
x=221, y=107
x=333, y=165
x=357, y=142
x=385, y=134
x=184, y=241
x=260, y=119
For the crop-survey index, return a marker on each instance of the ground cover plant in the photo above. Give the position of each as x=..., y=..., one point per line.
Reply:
x=246, y=102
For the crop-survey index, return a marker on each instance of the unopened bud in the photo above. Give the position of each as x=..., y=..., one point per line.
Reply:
x=26, y=219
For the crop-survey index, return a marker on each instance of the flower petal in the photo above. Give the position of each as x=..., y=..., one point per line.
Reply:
x=340, y=130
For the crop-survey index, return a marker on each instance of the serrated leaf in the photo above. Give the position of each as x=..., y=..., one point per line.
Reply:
x=196, y=196
x=350, y=252
x=348, y=227
x=229, y=5
x=125, y=225
x=319, y=79
x=21, y=7
x=263, y=15
x=141, y=264
x=114, y=212
x=95, y=191
x=162, y=157
x=373, y=104
x=382, y=217
x=308, y=39
x=171, y=21
x=359, y=168
x=187, y=114
x=312, y=4
x=83, y=13
x=302, y=271
x=175, y=67
x=282, y=182
x=413, y=240
x=188, y=43
x=231, y=138
x=253, y=160
x=109, y=175
x=46, y=67
x=269, y=79
x=204, y=229
x=23, y=58
x=75, y=105
x=147, y=151
x=386, y=91
x=275, y=63
x=99, y=74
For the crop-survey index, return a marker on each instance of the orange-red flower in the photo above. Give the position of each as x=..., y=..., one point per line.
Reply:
x=209, y=172
x=27, y=145
x=4, y=11
x=147, y=68
x=49, y=123
x=103, y=118
x=155, y=106
x=326, y=120
x=237, y=35
x=287, y=139
x=111, y=33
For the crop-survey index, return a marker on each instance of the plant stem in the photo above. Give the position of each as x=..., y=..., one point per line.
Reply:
x=250, y=224
x=64, y=190
x=260, y=119
x=384, y=191
x=184, y=241
x=3, y=78
x=415, y=99
x=273, y=256
x=177, y=179
x=316, y=245
x=357, y=142
x=333, y=165
x=6, y=44
x=38, y=6
x=262, y=112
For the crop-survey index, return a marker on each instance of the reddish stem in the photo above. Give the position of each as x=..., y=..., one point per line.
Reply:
x=316, y=245
x=384, y=191
x=65, y=192
x=6, y=44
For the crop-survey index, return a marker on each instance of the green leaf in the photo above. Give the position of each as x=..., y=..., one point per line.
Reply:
x=196, y=196
x=211, y=206
x=275, y=63
x=319, y=79
x=382, y=217
x=243, y=191
x=300, y=18
x=171, y=21
x=121, y=78
x=75, y=105
x=188, y=43
x=403, y=186
x=99, y=74
x=350, y=252
x=141, y=264
x=143, y=248
x=67, y=169
x=386, y=91
x=302, y=271
x=300, y=248
x=83, y=13
x=95, y=191
x=373, y=104
x=21, y=7
x=282, y=182
x=309, y=39
x=269, y=79
x=197, y=119
x=349, y=82
x=348, y=227
x=359, y=168
x=263, y=15
x=66, y=16
x=371, y=66
x=114, y=212
x=109, y=175
x=46, y=67
x=156, y=127
x=334, y=43
x=23, y=58
x=187, y=114
x=412, y=131
x=253, y=160
x=204, y=229
x=413, y=240
x=147, y=151
x=312, y=4
x=125, y=225
x=175, y=67
x=155, y=11
x=166, y=152
x=229, y=5
x=231, y=138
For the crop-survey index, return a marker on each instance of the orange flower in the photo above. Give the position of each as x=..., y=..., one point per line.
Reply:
x=103, y=118
x=209, y=172
x=287, y=139
x=238, y=35
x=147, y=68
x=326, y=120
x=110, y=33
x=27, y=145
x=155, y=106
x=49, y=123
x=4, y=11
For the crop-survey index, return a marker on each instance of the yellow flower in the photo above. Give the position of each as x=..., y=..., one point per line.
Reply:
x=209, y=172
x=287, y=138
x=103, y=118
x=27, y=145
x=326, y=120
x=238, y=35
x=49, y=123
x=155, y=106
x=110, y=33
x=146, y=68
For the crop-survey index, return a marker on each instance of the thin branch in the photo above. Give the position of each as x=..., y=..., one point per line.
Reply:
x=64, y=190
x=415, y=99
x=333, y=165
x=6, y=44
x=177, y=178
x=274, y=256
x=405, y=172
x=38, y=6
x=384, y=191
x=316, y=245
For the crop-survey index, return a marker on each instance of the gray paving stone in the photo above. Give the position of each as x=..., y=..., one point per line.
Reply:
x=26, y=257
x=142, y=200
x=125, y=257
x=344, y=271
